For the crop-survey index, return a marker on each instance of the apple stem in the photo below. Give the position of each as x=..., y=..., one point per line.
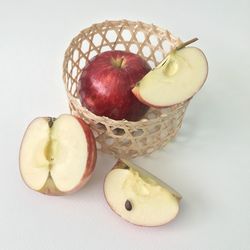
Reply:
x=117, y=62
x=120, y=62
x=186, y=43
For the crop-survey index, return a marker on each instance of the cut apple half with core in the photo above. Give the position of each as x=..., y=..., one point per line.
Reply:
x=139, y=197
x=57, y=156
x=176, y=79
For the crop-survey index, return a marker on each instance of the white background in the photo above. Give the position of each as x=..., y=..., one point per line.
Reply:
x=209, y=162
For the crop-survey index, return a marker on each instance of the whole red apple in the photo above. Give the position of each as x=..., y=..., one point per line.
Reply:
x=106, y=82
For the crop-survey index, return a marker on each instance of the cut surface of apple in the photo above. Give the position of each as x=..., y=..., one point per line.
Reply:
x=176, y=79
x=139, y=197
x=57, y=156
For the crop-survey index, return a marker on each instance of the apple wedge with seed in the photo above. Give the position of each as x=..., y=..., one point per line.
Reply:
x=176, y=79
x=139, y=197
x=57, y=156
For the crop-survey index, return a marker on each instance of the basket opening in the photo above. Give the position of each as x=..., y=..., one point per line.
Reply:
x=126, y=35
x=133, y=48
x=111, y=36
x=153, y=40
x=140, y=36
x=118, y=131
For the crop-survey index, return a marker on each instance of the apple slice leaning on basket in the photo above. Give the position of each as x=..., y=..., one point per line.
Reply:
x=176, y=79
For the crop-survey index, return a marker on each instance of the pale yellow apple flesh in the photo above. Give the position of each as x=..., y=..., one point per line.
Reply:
x=59, y=158
x=176, y=79
x=139, y=197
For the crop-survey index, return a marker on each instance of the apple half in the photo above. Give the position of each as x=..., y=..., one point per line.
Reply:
x=176, y=79
x=139, y=197
x=57, y=156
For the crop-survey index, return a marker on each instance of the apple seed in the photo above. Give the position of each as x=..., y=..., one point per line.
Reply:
x=51, y=121
x=128, y=205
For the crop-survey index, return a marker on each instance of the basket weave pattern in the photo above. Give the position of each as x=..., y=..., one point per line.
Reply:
x=123, y=138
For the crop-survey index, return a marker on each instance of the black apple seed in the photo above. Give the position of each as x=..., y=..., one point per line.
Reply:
x=128, y=205
x=50, y=121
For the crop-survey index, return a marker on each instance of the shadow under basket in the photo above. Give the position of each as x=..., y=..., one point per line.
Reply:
x=123, y=138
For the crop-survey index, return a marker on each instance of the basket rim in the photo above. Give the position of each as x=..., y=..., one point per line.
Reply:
x=172, y=40
x=101, y=119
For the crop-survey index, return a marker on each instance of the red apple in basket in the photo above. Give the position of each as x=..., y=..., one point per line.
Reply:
x=106, y=82
x=57, y=156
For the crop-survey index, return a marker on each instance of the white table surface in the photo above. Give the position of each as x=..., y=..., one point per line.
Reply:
x=209, y=162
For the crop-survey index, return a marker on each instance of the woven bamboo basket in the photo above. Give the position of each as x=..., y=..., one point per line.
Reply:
x=123, y=138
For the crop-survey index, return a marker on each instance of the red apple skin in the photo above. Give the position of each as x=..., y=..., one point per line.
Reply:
x=105, y=85
x=49, y=187
x=91, y=161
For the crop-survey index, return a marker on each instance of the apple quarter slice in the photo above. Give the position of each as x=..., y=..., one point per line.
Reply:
x=139, y=197
x=176, y=79
x=57, y=156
